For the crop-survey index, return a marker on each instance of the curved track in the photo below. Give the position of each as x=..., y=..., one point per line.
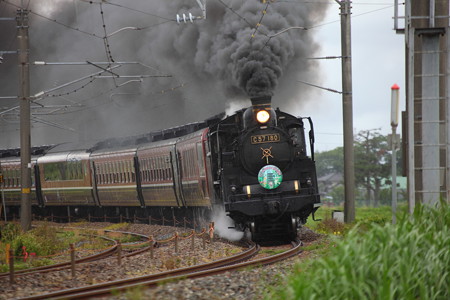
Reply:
x=217, y=267
x=65, y=265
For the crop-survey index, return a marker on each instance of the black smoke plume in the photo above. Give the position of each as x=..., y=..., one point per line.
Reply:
x=214, y=63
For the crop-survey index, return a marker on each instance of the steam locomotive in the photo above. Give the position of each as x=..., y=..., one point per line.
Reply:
x=253, y=164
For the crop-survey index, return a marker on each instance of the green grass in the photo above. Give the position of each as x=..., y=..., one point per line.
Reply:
x=410, y=260
x=364, y=216
x=44, y=241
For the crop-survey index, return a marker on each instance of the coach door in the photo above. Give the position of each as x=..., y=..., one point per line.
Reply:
x=176, y=171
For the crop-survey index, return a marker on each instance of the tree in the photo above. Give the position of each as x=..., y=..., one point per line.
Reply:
x=372, y=162
x=331, y=161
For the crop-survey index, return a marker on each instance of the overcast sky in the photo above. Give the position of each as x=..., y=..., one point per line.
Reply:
x=377, y=59
x=378, y=62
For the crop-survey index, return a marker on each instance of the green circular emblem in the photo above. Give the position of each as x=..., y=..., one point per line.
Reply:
x=270, y=177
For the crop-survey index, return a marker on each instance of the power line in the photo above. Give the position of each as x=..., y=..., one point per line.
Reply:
x=136, y=10
x=236, y=13
x=55, y=21
x=260, y=21
x=320, y=87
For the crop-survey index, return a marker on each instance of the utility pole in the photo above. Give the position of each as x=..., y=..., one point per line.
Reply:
x=25, y=135
x=347, y=109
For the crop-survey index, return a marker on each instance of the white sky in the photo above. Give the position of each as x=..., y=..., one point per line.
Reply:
x=378, y=61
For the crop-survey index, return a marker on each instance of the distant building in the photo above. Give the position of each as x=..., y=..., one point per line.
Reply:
x=327, y=183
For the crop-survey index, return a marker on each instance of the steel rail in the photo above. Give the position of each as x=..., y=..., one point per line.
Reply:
x=106, y=289
x=60, y=266
x=64, y=265
x=148, y=280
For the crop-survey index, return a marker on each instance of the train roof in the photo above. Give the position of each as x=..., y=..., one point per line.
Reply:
x=35, y=151
x=155, y=136
x=118, y=143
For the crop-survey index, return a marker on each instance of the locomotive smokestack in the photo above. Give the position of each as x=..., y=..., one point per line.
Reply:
x=262, y=102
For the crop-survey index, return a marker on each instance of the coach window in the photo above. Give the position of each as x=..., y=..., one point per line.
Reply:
x=98, y=174
x=161, y=168
x=116, y=172
x=110, y=172
x=120, y=170
x=147, y=169
x=164, y=167
x=10, y=178
x=150, y=166
x=103, y=173
x=158, y=168
x=125, y=171
x=149, y=174
x=102, y=169
x=13, y=178
x=131, y=168
x=7, y=174
x=15, y=181
x=128, y=171
x=167, y=167
x=144, y=170
x=150, y=169
x=201, y=163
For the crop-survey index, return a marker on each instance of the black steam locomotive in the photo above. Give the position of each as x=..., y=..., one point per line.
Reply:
x=253, y=163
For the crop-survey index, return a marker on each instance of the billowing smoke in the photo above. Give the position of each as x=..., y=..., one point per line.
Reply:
x=221, y=225
x=234, y=54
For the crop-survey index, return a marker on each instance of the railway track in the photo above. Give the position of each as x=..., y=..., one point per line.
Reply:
x=238, y=261
x=97, y=256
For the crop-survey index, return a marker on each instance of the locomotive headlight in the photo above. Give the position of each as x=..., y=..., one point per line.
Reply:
x=262, y=116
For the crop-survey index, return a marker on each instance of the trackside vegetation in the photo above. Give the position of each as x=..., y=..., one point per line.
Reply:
x=410, y=260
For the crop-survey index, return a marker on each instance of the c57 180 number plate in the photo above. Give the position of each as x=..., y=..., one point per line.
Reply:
x=265, y=138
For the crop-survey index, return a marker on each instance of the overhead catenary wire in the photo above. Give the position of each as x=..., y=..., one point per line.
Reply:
x=264, y=12
x=55, y=21
x=136, y=10
x=320, y=87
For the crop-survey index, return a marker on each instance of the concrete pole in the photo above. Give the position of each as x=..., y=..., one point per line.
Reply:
x=25, y=136
x=347, y=108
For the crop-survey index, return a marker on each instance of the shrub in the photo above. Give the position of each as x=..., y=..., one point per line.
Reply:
x=9, y=231
x=408, y=261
